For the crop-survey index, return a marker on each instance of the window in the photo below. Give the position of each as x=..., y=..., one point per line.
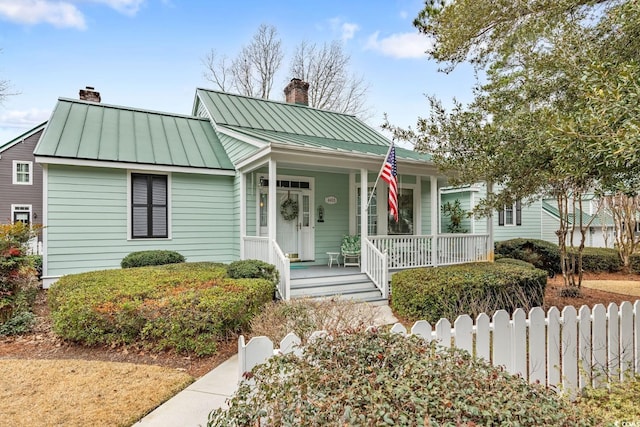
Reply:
x=21, y=213
x=405, y=213
x=372, y=213
x=22, y=172
x=149, y=206
x=510, y=215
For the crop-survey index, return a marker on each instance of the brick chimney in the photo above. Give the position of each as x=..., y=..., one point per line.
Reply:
x=297, y=92
x=89, y=94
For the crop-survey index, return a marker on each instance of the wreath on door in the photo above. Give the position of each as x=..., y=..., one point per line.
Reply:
x=289, y=209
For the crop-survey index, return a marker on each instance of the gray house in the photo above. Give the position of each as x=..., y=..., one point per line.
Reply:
x=239, y=178
x=21, y=179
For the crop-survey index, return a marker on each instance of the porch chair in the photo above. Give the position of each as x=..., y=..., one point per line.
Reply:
x=350, y=250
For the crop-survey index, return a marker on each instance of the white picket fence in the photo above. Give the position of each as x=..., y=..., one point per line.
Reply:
x=571, y=349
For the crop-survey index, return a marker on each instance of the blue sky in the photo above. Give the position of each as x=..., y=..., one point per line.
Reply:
x=148, y=53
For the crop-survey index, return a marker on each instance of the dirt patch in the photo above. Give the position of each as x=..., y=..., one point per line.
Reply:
x=591, y=295
x=82, y=393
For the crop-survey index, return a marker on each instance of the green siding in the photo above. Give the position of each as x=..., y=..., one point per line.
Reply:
x=531, y=224
x=425, y=200
x=236, y=149
x=549, y=227
x=465, y=204
x=87, y=219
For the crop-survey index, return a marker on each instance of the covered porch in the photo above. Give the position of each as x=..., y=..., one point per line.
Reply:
x=297, y=203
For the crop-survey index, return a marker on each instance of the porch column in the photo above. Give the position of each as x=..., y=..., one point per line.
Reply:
x=364, y=214
x=243, y=212
x=490, y=254
x=435, y=216
x=272, y=211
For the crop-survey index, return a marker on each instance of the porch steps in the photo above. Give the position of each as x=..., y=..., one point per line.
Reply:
x=354, y=285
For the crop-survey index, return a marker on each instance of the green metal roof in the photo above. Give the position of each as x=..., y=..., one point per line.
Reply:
x=22, y=136
x=318, y=142
x=94, y=131
x=597, y=221
x=244, y=112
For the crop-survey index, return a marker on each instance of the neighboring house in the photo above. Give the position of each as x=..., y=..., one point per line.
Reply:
x=537, y=220
x=21, y=179
x=241, y=178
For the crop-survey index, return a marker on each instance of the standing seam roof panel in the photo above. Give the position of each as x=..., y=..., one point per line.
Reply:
x=72, y=133
x=90, y=139
x=126, y=137
x=159, y=141
x=192, y=149
x=142, y=136
x=109, y=134
x=178, y=153
x=49, y=146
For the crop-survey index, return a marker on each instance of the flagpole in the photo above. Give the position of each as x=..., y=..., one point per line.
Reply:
x=375, y=184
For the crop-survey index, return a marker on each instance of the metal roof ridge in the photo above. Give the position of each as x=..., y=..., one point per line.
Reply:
x=273, y=101
x=238, y=128
x=133, y=109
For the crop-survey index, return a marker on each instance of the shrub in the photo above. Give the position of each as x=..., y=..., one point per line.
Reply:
x=304, y=316
x=36, y=262
x=540, y=253
x=634, y=263
x=187, y=307
x=253, y=269
x=374, y=378
x=601, y=260
x=18, y=282
x=616, y=404
x=147, y=258
x=512, y=261
x=434, y=293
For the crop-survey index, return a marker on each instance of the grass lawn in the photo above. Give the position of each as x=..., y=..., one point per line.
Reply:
x=82, y=393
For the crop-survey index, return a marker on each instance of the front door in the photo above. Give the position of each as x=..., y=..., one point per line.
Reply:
x=294, y=232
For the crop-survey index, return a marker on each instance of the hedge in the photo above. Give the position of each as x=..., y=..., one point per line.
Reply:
x=542, y=254
x=601, y=260
x=434, y=293
x=154, y=257
x=186, y=307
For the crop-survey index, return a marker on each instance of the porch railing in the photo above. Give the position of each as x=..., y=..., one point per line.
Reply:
x=376, y=267
x=282, y=264
x=428, y=251
x=258, y=248
x=461, y=248
x=405, y=251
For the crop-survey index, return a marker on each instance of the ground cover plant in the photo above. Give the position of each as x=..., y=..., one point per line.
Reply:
x=187, y=307
x=474, y=288
x=376, y=378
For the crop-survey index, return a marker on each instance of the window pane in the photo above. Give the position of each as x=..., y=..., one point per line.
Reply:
x=159, y=192
x=372, y=228
x=139, y=189
x=159, y=221
x=263, y=209
x=139, y=221
x=305, y=211
x=22, y=172
x=404, y=225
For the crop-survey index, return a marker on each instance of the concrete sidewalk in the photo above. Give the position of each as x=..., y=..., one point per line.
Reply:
x=191, y=407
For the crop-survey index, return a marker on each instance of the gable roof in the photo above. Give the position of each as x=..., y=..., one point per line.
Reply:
x=273, y=121
x=22, y=137
x=597, y=219
x=93, y=131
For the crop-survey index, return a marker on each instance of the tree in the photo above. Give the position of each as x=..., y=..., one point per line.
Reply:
x=4, y=89
x=326, y=68
x=550, y=118
x=252, y=72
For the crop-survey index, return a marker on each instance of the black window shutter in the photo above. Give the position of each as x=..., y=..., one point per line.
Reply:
x=149, y=206
x=518, y=213
x=501, y=217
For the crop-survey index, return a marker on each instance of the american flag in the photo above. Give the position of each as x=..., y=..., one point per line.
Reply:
x=389, y=173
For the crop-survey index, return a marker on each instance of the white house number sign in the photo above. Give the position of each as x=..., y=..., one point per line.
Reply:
x=331, y=200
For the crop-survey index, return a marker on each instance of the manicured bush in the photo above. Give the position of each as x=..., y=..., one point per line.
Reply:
x=540, y=253
x=147, y=258
x=253, y=269
x=512, y=261
x=598, y=260
x=371, y=378
x=634, y=263
x=187, y=307
x=434, y=293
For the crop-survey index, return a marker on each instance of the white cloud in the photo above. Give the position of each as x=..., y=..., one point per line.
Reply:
x=404, y=14
x=59, y=13
x=400, y=45
x=23, y=119
x=347, y=30
x=31, y=12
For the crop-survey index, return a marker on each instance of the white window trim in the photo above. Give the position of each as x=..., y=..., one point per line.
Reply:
x=514, y=222
x=169, y=208
x=29, y=209
x=15, y=172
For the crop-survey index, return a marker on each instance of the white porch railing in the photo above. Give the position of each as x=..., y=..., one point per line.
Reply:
x=569, y=348
x=282, y=264
x=258, y=248
x=427, y=251
x=376, y=267
x=461, y=248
